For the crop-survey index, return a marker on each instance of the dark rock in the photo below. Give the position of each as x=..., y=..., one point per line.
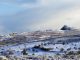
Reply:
x=65, y=27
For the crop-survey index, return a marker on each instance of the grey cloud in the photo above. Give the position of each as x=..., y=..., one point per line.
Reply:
x=29, y=18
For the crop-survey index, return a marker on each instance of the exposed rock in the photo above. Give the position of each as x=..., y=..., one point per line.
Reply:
x=65, y=27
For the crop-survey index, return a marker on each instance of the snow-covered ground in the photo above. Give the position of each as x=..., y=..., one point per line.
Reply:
x=56, y=48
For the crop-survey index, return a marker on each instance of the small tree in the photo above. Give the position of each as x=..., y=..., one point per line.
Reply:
x=61, y=49
x=24, y=52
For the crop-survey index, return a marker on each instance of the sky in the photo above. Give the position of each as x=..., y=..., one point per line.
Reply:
x=31, y=15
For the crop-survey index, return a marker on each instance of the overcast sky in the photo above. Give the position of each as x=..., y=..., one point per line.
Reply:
x=29, y=15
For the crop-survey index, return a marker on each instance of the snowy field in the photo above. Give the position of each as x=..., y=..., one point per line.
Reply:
x=56, y=48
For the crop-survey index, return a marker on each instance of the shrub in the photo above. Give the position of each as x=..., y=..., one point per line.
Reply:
x=24, y=52
x=42, y=48
x=78, y=52
x=70, y=53
x=61, y=49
